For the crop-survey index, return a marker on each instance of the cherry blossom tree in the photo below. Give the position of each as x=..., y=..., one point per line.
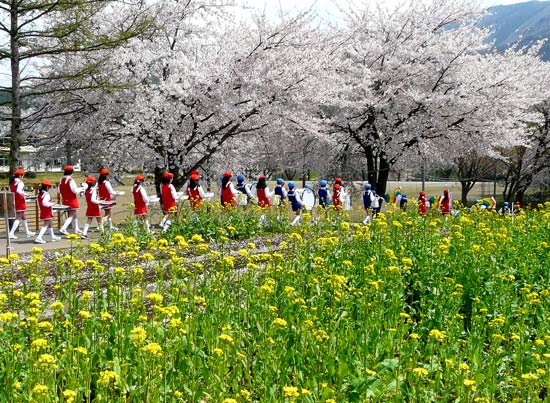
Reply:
x=200, y=81
x=414, y=74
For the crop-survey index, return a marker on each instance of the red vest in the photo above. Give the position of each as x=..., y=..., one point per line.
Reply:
x=69, y=198
x=228, y=198
x=422, y=209
x=92, y=209
x=104, y=194
x=168, y=202
x=20, y=204
x=262, y=200
x=46, y=213
x=140, y=207
x=195, y=198
x=445, y=205
x=336, y=202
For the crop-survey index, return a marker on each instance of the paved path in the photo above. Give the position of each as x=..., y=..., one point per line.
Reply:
x=24, y=245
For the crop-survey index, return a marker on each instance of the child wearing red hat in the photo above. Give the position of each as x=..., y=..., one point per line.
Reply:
x=227, y=191
x=422, y=203
x=444, y=203
x=141, y=201
x=17, y=187
x=45, y=206
x=92, y=209
x=69, y=192
x=169, y=199
x=106, y=194
x=195, y=192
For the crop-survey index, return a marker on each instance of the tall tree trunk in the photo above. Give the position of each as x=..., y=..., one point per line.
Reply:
x=383, y=175
x=16, y=139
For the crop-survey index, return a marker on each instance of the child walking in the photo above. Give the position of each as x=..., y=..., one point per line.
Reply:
x=295, y=202
x=141, y=201
x=92, y=203
x=45, y=206
x=17, y=187
x=69, y=192
x=107, y=194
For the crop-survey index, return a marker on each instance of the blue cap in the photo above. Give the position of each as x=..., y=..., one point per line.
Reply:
x=308, y=186
x=366, y=185
x=505, y=203
x=323, y=183
x=373, y=191
x=290, y=185
x=240, y=178
x=404, y=195
x=280, y=181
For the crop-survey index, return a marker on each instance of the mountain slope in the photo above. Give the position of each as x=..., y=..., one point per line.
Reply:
x=522, y=23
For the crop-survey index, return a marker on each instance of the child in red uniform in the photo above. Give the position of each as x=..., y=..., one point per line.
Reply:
x=227, y=191
x=169, y=199
x=422, y=203
x=195, y=192
x=106, y=194
x=17, y=187
x=337, y=196
x=69, y=192
x=45, y=205
x=445, y=203
x=92, y=203
x=262, y=193
x=141, y=200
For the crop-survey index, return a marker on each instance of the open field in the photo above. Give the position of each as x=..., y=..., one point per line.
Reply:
x=405, y=309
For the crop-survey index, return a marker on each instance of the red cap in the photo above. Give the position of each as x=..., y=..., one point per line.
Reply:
x=104, y=171
x=261, y=177
x=227, y=174
x=446, y=192
x=422, y=193
x=194, y=177
x=19, y=172
x=167, y=175
x=195, y=172
x=68, y=168
x=90, y=180
x=46, y=182
x=337, y=186
x=139, y=177
x=338, y=180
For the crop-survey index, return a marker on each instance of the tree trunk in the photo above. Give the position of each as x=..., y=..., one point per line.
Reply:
x=383, y=175
x=15, y=131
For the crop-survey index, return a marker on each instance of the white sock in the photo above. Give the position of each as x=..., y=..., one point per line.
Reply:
x=85, y=230
x=75, y=225
x=66, y=223
x=42, y=232
x=50, y=230
x=147, y=225
x=25, y=225
x=14, y=227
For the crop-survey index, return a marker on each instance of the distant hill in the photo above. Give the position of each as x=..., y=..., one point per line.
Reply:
x=523, y=22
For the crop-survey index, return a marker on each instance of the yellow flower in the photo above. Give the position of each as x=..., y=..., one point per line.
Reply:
x=85, y=315
x=470, y=384
x=153, y=349
x=279, y=322
x=39, y=344
x=218, y=352
x=422, y=372
x=155, y=299
x=227, y=338
x=138, y=335
x=47, y=361
x=105, y=377
x=228, y=400
x=438, y=335
x=69, y=395
x=40, y=389
x=290, y=391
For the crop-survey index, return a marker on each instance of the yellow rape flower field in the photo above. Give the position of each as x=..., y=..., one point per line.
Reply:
x=238, y=306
